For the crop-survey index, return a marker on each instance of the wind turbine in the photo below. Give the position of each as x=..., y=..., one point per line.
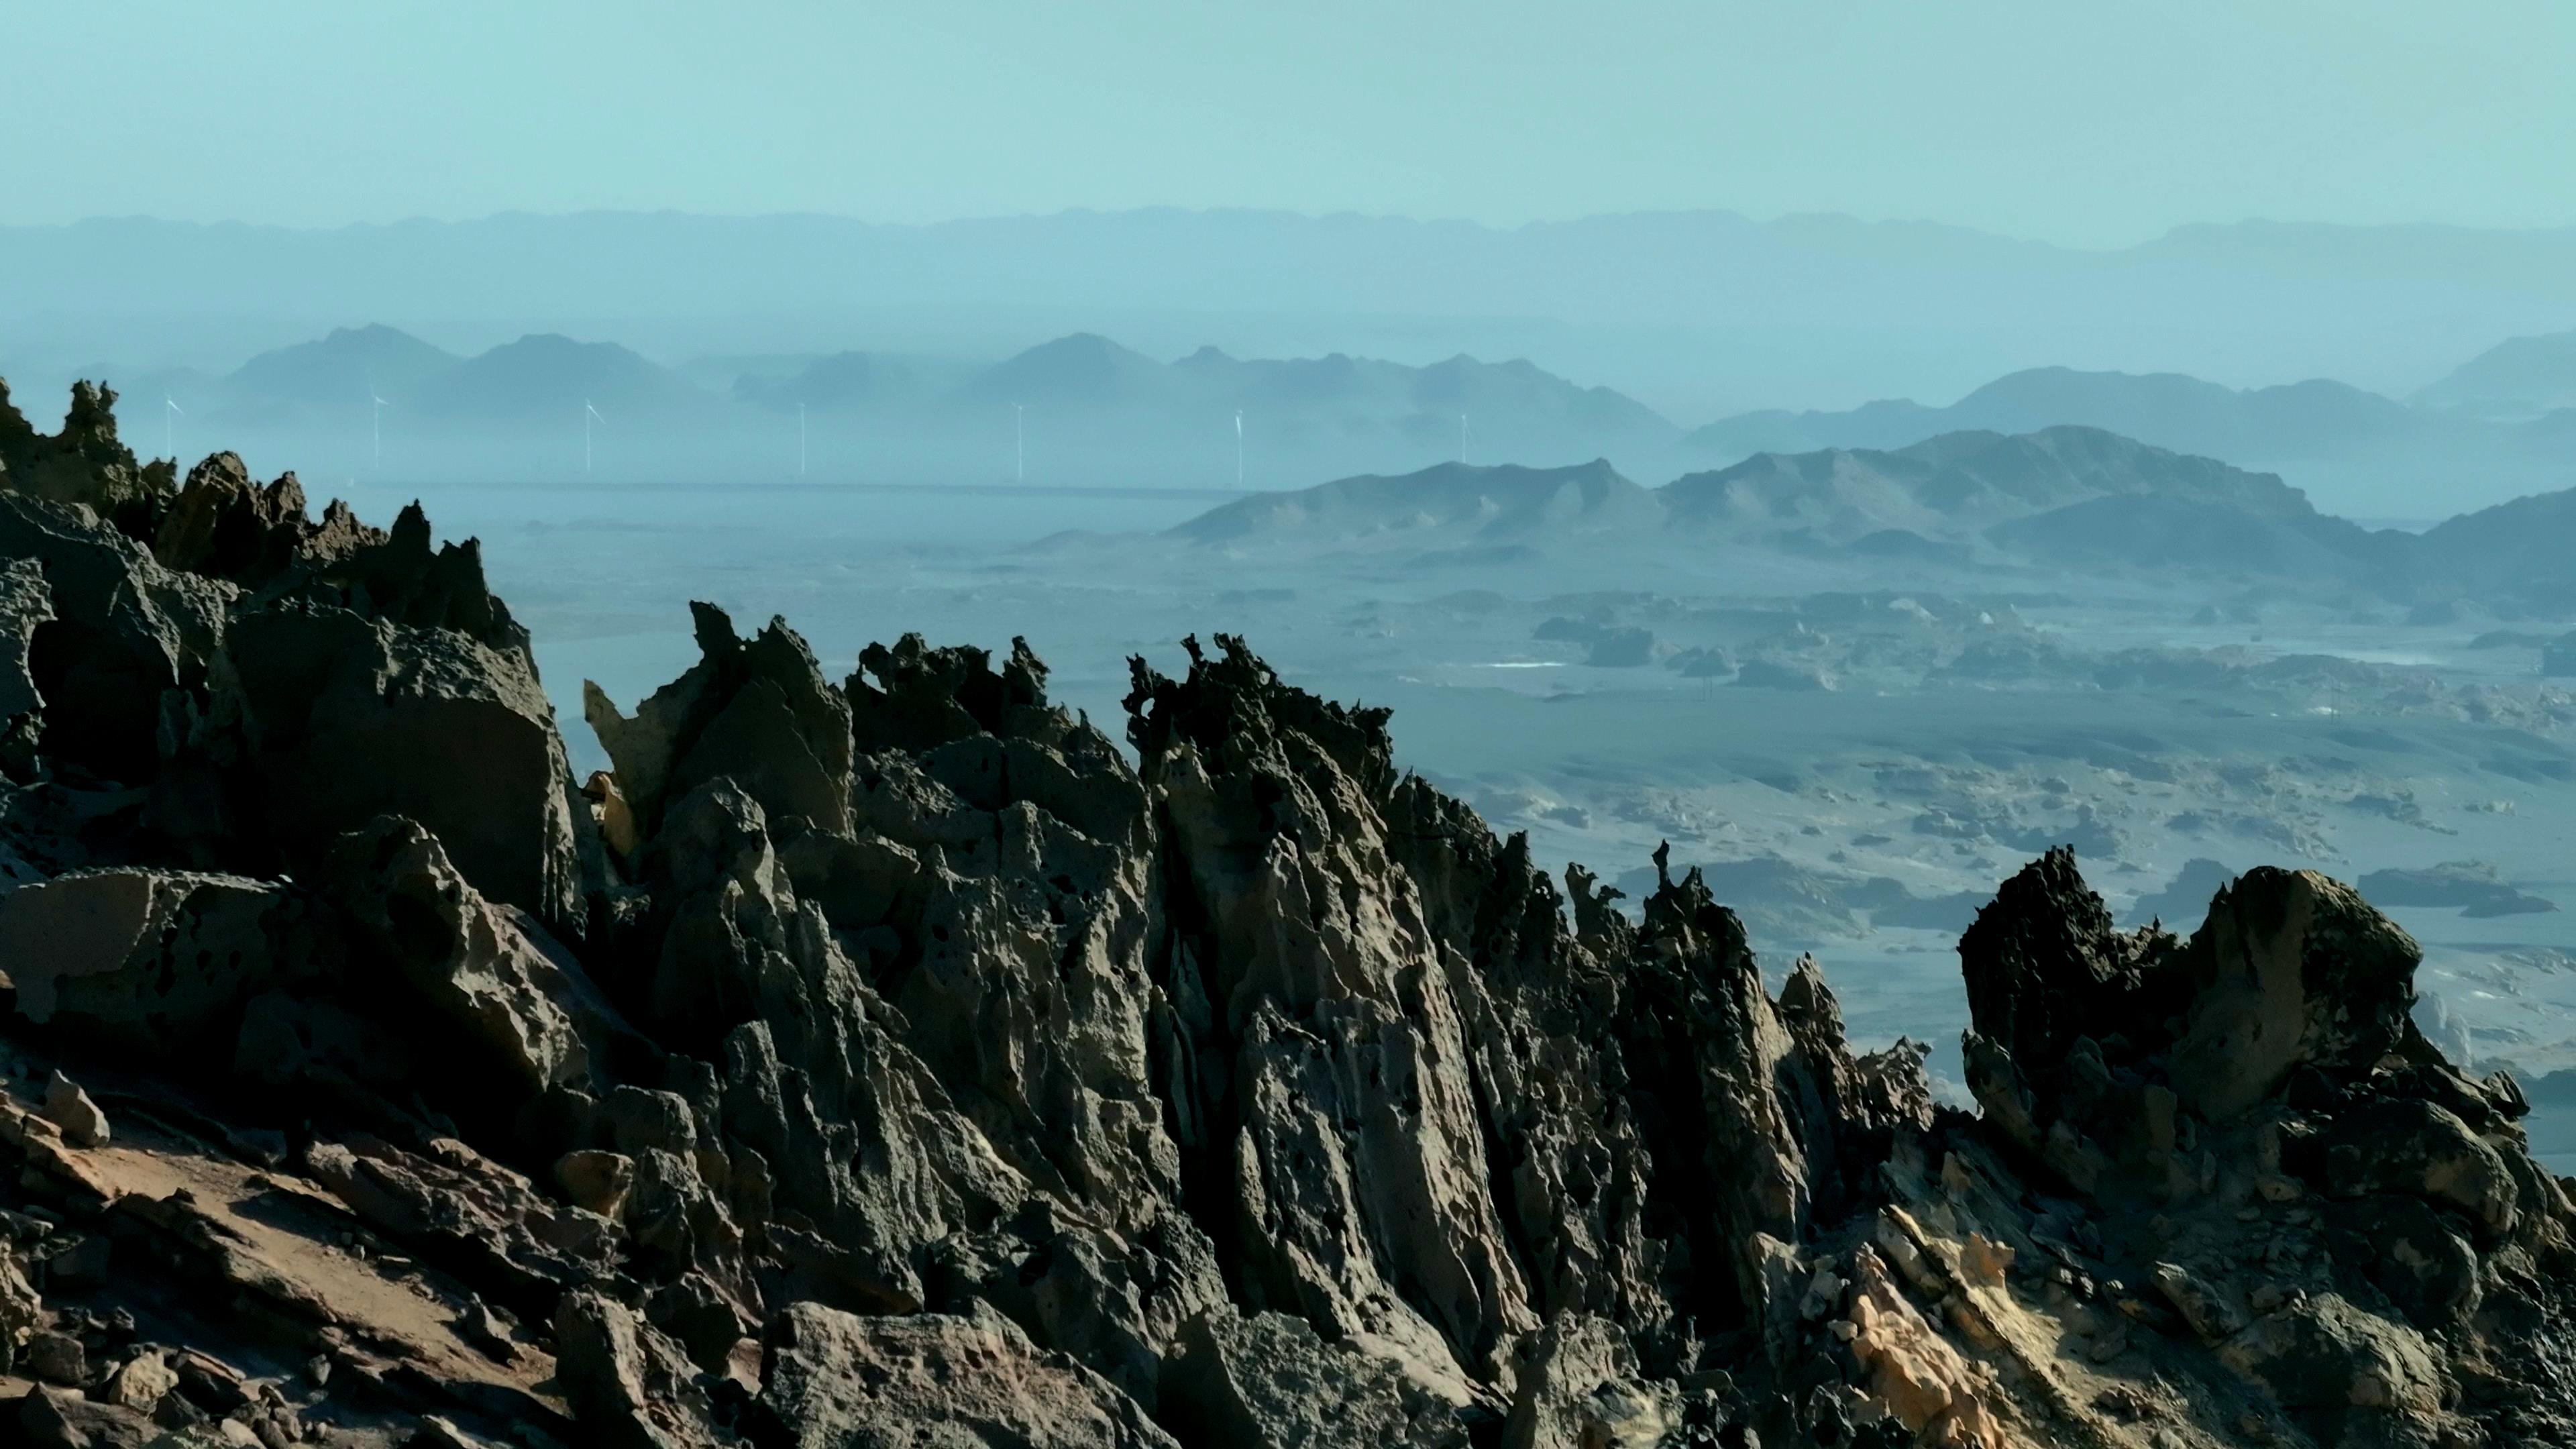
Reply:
x=375, y=421
x=1238, y=449
x=1020, y=440
x=170, y=410
x=800, y=440
x=589, y=415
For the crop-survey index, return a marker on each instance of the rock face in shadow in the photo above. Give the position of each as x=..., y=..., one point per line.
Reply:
x=902, y=1060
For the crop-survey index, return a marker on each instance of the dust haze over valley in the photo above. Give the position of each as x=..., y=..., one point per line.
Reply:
x=1857, y=555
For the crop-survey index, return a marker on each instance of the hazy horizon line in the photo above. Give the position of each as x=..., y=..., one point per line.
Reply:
x=1787, y=219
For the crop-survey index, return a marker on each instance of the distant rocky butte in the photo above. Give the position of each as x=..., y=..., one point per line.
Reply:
x=891, y=1061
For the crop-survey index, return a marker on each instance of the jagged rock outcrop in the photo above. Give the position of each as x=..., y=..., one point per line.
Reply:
x=2273, y=1165
x=84, y=464
x=895, y=1061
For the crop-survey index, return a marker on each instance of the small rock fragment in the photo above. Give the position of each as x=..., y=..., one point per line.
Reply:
x=140, y=1382
x=57, y=1358
x=68, y=1107
x=596, y=1181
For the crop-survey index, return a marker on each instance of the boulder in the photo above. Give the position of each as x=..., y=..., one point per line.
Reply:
x=2410, y=1252
x=1115, y=1302
x=140, y=1382
x=2424, y=1150
x=628, y=1385
x=127, y=640
x=1271, y=1382
x=513, y=1006
x=157, y=961
x=2291, y=969
x=347, y=718
x=596, y=1181
x=56, y=1358
x=59, y=1418
x=1581, y=1387
x=69, y=1108
x=2323, y=1353
x=837, y=1381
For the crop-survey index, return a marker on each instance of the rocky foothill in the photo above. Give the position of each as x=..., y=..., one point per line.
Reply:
x=898, y=1060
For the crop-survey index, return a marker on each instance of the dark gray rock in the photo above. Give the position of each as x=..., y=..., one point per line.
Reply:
x=345, y=718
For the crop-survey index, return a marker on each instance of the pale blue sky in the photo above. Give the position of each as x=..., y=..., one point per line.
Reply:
x=2070, y=120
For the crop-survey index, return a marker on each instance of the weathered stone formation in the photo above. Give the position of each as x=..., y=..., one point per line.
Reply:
x=2241, y=1144
x=901, y=1061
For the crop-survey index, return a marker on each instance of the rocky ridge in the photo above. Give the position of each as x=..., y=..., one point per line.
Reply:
x=900, y=1061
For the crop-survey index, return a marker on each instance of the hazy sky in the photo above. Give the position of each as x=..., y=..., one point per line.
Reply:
x=2073, y=120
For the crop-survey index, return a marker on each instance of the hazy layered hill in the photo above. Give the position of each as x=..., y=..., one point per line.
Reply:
x=1697, y=314
x=1505, y=501
x=2520, y=377
x=2306, y=420
x=2370, y=453
x=337, y=374
x=2079, y=500
x=1090, y=377
x=1084, y=370
x=1952, y=487
x=1081, y=408
x=1957, y=483
x=1333, y=407
x=2530, y=543
x=546, y=379
x=847, y=382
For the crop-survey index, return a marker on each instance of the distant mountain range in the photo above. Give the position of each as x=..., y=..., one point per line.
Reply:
x=1089, y=387
x=2307, y=420
x=2485, y=403
x=1085, y=409
x=1696, y=314
x=2071, y=498
x=1081, y=408
x=2465, y=440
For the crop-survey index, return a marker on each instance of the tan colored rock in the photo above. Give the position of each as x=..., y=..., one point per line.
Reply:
x=69, y=1108
x=1914, y=1373
x=140, y=1382
x=835, y=1379
x=596, y=1181
x=618, y=828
